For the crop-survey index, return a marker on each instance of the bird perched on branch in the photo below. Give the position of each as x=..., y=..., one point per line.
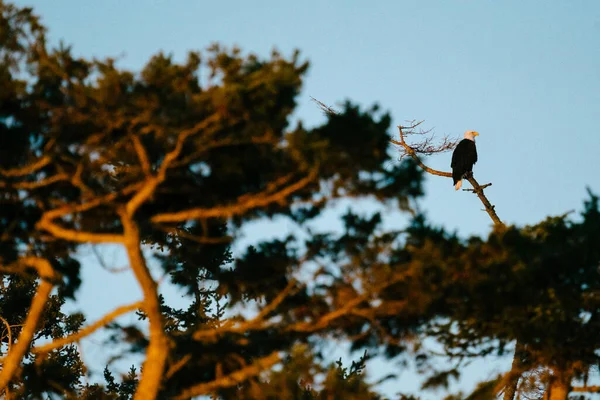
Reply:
x=463, y=158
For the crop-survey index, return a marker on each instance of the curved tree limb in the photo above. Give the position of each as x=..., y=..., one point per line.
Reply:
x=14, y=357
x=158, y=348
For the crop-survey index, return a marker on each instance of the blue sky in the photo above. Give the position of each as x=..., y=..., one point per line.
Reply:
x=523, y=74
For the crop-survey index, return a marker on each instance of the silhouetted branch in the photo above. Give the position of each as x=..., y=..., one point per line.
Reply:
x=324, y=107
x=413, y=153
x=481, y=187
x=428, y=144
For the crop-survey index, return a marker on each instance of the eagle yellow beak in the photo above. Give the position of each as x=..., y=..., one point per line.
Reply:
x=475, y=133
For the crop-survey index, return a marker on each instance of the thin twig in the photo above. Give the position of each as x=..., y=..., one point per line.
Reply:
x=324, y=107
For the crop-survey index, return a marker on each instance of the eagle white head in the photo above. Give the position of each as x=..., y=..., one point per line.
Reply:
x=471, y=135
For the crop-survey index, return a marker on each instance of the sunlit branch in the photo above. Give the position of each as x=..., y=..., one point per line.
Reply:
x=35, y=185
x=13, y=359
x=232, y=379
x=78, y=236
x=48, y=224
x=258, y=322
x=249, y=202
x=142, y=154
x=88, y=330
x=586, y=389
x=158, y=347
x=28, y=169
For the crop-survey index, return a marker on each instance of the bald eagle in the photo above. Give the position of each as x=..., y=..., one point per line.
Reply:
x=463, y=158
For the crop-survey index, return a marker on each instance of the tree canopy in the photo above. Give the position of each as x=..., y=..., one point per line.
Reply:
x=174, y=161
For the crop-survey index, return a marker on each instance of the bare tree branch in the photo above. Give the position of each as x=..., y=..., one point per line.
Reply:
x=410, y=151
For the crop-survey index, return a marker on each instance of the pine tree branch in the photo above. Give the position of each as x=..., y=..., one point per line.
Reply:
x=88, y=330
x=232, y=379
x=14, y=357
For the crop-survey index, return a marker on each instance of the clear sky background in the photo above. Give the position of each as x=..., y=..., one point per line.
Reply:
x=525, y=75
